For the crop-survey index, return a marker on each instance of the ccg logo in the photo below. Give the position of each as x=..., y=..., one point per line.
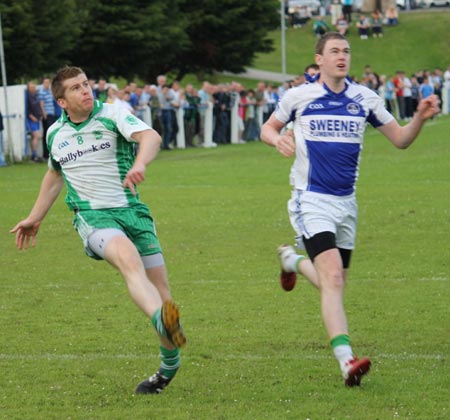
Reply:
x=353, y=108
x=316, y=106
x=63, y=144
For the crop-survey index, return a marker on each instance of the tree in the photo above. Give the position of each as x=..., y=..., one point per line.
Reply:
x=135, y=38
x=128, y=38
x=226, y=35
x=36, y=36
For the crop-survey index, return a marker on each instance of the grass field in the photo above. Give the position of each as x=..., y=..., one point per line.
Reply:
x=73, y=345
x=420, y=41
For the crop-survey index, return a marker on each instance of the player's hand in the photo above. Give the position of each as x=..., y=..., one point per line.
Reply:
x=285, y=144
x=428, y=107
x=25, y=231
x=134, y=176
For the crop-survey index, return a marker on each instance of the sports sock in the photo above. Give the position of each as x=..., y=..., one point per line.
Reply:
x=291, y=263
x=342, y=349
x=158, y=323
x=170, y=361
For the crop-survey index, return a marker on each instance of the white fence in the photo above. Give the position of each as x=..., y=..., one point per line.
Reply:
x=15, y=139
x=14, y=133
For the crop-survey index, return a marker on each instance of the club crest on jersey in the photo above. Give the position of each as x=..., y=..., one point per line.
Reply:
x=98, y=135
x=353, y=108
x=131, y=120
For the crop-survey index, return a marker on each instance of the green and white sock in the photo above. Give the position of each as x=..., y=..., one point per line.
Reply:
x=292, y=262
x=170, y=361
x=342, y=349
x=158, y=323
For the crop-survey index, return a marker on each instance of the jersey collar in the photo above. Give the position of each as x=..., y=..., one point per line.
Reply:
x=97, y=108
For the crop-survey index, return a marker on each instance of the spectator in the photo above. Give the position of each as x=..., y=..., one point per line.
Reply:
x=301, y=16
x=392, y=16
x=363, y=26
x=165, y=100
x=342, y=25
x=251, y=124
x=447, y=76
x=34, y=115
x=190, y=114
x=48, y=110
x=437, y=81
x=407, y=95
x=271, y=100
x=336, y=11
x=320, y=26
x=175, y=106
x=123, y=97
x=242, y=114
x=425, y=89
x=347, y=9
x=111, y=97
x=222, y=104
x=398, y=82
x=414, y=93
x=101, y=91
x=377, y=24
x=155, y=108
x=389, y=95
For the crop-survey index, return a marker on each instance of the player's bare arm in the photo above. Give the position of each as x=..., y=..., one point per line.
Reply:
x=402, y=137
x=28, y=228
x=270, y=134
x=149, y=144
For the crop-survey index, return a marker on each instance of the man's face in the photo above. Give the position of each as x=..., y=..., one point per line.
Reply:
x=335, y=59
x=78, y=97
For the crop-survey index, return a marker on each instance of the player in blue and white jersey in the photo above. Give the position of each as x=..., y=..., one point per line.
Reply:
x=329, y=118
x=92, y=151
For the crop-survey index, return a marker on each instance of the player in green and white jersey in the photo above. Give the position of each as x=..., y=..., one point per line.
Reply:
x=92, y=152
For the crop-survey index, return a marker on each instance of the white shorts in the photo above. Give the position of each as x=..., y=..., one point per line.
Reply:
x=311, y=213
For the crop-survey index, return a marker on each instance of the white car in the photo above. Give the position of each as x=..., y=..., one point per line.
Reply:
x=314, y=5
x=432, y=3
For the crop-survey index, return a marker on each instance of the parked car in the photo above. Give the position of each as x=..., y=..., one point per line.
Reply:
x=314, y=5
x=402, y=4
x=433, y=3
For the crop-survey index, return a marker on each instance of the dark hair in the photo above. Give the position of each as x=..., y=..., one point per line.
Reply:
x=64, y=73
x=320, y=45
x=311, y=66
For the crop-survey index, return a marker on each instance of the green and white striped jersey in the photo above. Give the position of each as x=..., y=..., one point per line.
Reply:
x=95, y=156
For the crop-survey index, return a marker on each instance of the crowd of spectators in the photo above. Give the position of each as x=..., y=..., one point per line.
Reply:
x=403, y=92
x=341, y=17
x=254, y=106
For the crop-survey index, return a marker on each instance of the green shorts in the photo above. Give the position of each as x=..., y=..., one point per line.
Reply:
x=136, y=222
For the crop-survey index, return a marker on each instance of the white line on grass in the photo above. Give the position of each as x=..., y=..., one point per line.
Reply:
x=95, y=356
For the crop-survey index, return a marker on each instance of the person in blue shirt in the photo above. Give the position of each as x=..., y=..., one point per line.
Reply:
x=329, y=118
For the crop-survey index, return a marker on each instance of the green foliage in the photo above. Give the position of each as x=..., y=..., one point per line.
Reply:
x=225, y=35
x=73, y=345
x=134, y=38
x=38, y=36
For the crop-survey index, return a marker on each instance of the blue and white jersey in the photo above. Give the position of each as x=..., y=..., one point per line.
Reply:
x=329, y=129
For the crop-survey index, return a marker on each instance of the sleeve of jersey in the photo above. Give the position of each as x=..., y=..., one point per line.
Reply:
x=284, y=111
x=378, y=114
x=128, y=124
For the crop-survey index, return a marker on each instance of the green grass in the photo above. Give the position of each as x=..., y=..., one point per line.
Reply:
x=419, y=41
x=73, y=345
